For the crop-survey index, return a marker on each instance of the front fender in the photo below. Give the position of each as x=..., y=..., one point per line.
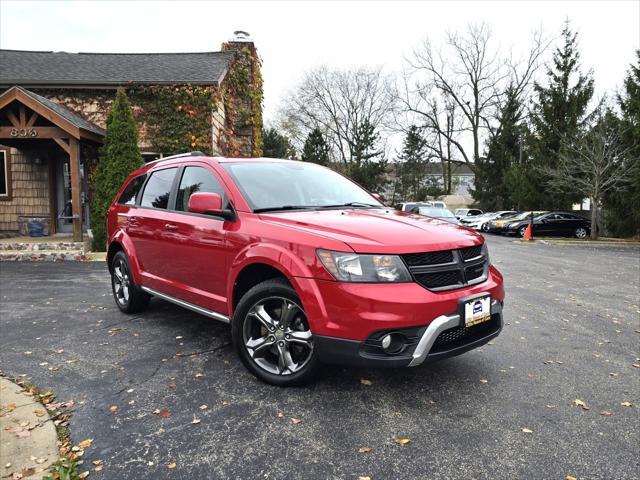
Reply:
x=281, y=259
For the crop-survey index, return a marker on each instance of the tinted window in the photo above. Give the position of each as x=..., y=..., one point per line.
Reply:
x=130, y=192
x=156, y=193
x=196, y=179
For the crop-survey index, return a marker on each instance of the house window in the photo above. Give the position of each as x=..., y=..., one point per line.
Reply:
x=5, y=176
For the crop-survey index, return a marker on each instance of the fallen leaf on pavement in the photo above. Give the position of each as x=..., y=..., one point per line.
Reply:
x=39, y=413
x=84, y=474
x=401, y=441
x=98, y=468
x=97, y=462
x=364, y=478
x=203, y=407
x=8, y=465
x=296, y=421
x=85, y=443
x=484, y=380
x=626, y=404
x=198, y=375
x=606, y=413
x=364, y=450
x=364, y=381
x=195, y=421
x=580, y=403
x=171, y=465
x=569, y=477
x=526, y=430
x=113, y=408
x=164, y=413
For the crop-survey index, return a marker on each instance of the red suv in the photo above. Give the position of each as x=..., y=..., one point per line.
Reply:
x=305, y=265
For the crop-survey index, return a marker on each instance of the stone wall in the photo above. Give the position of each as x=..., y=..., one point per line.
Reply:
x=29, y=190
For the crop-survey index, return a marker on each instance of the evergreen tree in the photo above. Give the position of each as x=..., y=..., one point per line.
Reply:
x=316, y=149
x=559, y=114
x=119, y=156
x=368, y=166
x=410, y=171
x=276, y=145
x=504, y=149
x=621, y=207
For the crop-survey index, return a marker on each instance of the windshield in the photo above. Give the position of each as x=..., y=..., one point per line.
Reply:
x=436, y=212
x=295, y=185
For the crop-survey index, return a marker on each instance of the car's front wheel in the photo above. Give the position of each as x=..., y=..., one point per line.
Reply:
x=272, y=336
x=522, y=230
x=485, y=227
x=581, y=232
x=128, y=296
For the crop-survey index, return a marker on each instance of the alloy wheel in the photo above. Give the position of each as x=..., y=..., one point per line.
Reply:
x=121, y=282
x=581, y=232
x=277, y=337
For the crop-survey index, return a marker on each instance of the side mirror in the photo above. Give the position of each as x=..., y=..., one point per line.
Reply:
x=205, y=202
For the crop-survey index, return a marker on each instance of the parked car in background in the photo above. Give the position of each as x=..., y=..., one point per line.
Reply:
x=481, y=222
x=411, y=206
x=305, y=265
x=557, y=224
x=438, y=203
x=466, y=212
x=498, y=225
x=439, y=213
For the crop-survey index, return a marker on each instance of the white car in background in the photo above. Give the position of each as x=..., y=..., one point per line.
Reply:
x=481, y=222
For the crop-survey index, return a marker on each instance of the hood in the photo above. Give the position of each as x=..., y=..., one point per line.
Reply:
x=378, y=230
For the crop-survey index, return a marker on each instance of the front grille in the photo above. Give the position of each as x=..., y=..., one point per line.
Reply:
x=429, y=258
x=448, y=269
x=471, y=252
x=438, y=279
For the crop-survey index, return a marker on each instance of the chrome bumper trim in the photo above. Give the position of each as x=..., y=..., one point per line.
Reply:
x=435, y=328
x=190, y=306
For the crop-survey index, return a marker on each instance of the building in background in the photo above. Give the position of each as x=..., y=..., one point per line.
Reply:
x=55, y=105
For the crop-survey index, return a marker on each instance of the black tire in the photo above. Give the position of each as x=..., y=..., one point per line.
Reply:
x=485, y=228
x=281, y=335
x=522, y=230
x=581, y=233
x=128, y=296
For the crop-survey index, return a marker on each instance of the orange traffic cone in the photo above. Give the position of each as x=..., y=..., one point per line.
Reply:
x=527, y=233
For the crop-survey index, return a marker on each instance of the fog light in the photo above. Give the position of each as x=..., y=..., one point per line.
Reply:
x=393, y=343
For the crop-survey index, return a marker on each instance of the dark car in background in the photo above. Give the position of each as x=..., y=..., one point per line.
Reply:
x=557, y=224
x=497, y=225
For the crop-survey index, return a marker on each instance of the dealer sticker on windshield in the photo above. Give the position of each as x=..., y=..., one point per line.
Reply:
x=477, y=311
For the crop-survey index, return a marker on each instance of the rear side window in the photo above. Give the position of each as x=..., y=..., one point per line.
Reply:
x=196, y=179
x=130, y=192
x=158, y=189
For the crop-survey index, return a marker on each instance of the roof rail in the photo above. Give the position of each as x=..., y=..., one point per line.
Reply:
x=195, y=153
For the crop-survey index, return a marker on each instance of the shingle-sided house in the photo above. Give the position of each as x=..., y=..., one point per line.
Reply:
x=54, y=106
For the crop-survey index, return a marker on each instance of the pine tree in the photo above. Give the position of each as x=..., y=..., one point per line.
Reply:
x=367, y=166
x=410, y=171
x=316, y=149
x=621, y=208
x=119, y=156
x=504, y=149
x=276, y=145
x=559, y=114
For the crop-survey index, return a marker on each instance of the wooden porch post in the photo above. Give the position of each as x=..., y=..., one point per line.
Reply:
x=76, y=188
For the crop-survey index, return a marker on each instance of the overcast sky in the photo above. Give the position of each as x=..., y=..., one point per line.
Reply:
x=294, y=36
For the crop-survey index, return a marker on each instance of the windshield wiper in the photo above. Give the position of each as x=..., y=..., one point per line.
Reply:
x=282, y=208
x=352, y=204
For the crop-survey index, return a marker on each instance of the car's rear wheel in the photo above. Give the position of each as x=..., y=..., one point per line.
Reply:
x=522, y=230
x=128, y=296
x=485, y=227
x=272, y=336
x=581, y=232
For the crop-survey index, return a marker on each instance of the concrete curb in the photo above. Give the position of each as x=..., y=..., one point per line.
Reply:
x=29, y=441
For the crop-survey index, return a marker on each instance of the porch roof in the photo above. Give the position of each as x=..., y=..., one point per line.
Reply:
x=74, y=124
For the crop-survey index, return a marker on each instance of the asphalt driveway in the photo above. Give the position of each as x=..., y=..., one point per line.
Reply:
x=572, y=333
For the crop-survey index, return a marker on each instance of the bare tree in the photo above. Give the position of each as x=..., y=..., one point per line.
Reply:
x=594, y=164
x=339, y=103
x=471, y=77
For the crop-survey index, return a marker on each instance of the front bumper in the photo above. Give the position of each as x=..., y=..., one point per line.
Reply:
x=442, y=338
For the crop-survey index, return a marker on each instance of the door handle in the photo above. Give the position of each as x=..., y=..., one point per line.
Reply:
x=133, y=222
x=170, y=226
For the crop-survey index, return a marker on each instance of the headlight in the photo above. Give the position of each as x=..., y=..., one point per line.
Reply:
x=351, y=267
